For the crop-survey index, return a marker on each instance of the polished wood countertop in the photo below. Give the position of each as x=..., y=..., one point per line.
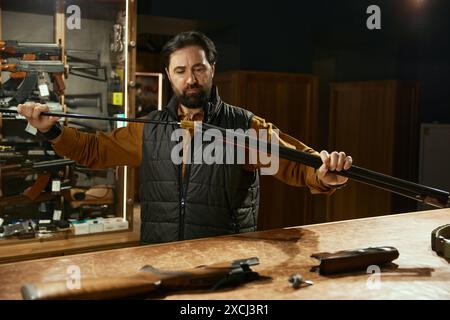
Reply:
x=420, y=273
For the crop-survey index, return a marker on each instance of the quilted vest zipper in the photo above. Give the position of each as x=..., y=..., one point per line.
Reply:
x=184, y=182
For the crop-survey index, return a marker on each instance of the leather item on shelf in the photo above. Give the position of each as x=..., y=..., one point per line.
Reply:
x=96, y=195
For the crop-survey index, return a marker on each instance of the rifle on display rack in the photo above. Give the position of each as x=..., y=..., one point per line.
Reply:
x=52, y=178
x=86, y=64
x=29, y=64
x=32, y=73
x=38, y=166
x=9, y=153
x=82, y=63
x=42, y=51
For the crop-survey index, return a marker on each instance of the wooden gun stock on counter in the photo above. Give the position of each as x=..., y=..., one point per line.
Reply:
x=147, y=280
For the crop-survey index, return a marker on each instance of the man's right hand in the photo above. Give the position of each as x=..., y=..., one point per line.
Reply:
x=32, y=112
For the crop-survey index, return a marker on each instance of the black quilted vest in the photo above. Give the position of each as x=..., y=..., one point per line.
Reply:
x=212, y=200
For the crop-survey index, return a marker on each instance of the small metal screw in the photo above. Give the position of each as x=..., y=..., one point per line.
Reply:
x=297, y=281
x=132, y=44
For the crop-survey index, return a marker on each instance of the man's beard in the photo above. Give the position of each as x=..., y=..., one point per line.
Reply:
x=194, y=100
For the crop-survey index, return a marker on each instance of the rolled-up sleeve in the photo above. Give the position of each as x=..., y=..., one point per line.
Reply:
x=122, y=146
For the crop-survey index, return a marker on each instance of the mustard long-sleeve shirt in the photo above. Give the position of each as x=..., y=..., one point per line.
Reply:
x=123, y=146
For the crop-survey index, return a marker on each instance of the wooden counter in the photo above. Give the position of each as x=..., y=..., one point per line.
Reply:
x=420, y=274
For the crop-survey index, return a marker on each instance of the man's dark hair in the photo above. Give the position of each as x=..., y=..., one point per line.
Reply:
x=186, y=39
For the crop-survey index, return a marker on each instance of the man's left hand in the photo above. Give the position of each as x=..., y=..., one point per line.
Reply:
x=332, y=164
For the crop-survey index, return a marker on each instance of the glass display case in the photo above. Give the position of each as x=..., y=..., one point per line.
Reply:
x=76, y=57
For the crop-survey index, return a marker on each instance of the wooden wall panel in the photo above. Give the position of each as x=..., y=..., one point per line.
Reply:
x=374, y=122
x=290, y=102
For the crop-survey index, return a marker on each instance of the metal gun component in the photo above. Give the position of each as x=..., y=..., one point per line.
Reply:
x=16, y=48
x=440, y=241
x=15, y=64
x=297, y=281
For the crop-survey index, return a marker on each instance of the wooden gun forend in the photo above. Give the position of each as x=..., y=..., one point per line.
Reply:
x=437, y=202
x=101, y=288
x=149, y=279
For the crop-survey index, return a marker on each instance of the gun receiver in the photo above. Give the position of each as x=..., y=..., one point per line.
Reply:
x=82, y=63
x=17, y=65
x=29, y=70
x=149, y=279
x=27, y=61
x=43, y=50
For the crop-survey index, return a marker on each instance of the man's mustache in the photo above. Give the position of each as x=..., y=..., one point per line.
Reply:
x=193, y=86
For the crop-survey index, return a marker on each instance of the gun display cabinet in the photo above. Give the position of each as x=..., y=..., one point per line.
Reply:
x=76, y=57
